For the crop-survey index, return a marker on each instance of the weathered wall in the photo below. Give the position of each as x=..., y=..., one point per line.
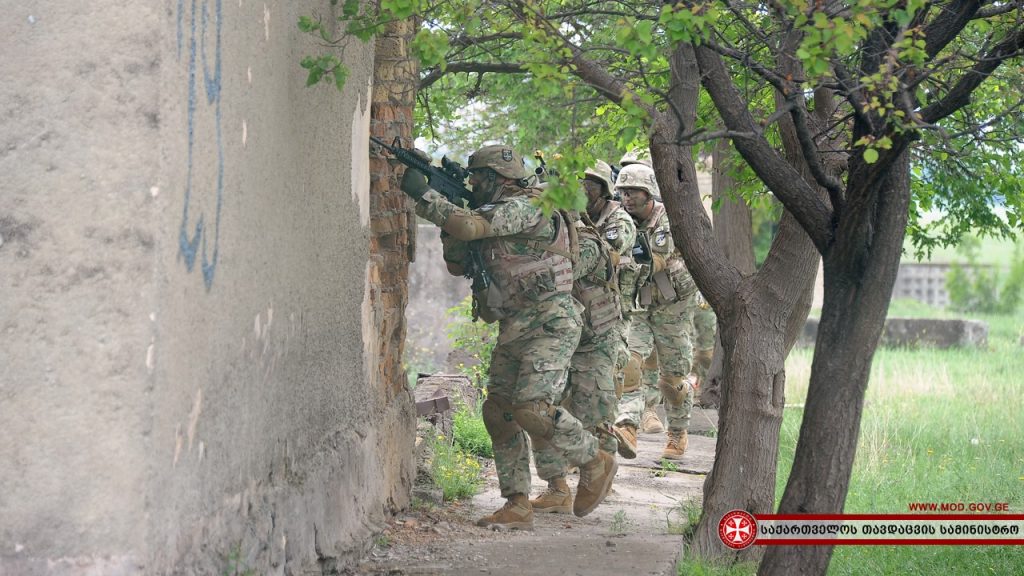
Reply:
x=190, y=346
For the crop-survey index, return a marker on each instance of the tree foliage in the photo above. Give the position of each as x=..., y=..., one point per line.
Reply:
x=860, y=116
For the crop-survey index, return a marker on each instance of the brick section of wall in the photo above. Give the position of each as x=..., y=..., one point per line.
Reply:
x=392, y=241
x=392, y=246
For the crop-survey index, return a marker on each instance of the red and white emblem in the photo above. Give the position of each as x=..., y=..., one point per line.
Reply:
x=737, y=529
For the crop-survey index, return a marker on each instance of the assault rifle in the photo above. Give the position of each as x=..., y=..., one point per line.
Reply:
x=448, y=179
x=642, y=249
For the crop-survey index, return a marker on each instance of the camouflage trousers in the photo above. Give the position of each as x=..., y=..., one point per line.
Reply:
x=704, y=326
x=590, y=396
x=529, y=364
x=664, y=330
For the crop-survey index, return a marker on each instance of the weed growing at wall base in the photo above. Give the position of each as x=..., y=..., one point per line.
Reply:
x=471, y=434
x=454, y=471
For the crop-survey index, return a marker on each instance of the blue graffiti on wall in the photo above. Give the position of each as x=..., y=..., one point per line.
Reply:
x=189, y=247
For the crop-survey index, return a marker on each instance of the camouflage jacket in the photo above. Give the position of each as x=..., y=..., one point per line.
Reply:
x=516, y=256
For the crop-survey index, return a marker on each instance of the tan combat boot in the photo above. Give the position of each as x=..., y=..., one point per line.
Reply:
x=595, y=483
x=556, y=499
x=676, y=445
x=626, y=435
x=650, y=423
x=516, y=514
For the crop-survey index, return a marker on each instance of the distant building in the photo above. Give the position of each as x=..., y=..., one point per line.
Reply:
x=924, y=282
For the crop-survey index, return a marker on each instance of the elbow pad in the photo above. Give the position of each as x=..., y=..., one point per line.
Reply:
x=467, y=226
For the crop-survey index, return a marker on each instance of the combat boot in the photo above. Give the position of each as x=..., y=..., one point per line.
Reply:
x=556, y=499
x=516, y=514
x=595, y=483
x=676, y=445
x=626, y=435
x=650, y=422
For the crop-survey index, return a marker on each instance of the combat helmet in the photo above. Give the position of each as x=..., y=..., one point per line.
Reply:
x=602, y=173
x=637, y=176
x=636, y=156
x=500, y=158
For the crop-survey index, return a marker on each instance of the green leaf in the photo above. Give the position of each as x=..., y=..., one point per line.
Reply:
x=871, y=155
x=340, y=76
x=314, y=76
x=643, y=31
x=307, y=24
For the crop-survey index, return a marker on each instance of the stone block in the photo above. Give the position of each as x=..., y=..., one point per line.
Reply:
x=919, y=332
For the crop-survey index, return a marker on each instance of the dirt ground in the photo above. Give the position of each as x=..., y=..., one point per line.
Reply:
x=635, y=531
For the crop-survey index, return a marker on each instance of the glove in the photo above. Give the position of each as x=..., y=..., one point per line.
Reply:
x=414, y=183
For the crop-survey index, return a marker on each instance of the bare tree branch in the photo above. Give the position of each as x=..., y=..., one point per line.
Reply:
x=780, y=177
x=948, y=24
x=960, y=95
x=436, y=74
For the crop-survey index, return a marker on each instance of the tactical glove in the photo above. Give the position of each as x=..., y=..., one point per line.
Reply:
x=414, y=182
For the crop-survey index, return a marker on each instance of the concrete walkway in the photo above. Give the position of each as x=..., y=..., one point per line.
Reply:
x=635, y=531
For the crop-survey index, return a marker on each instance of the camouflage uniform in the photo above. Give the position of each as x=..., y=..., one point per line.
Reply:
x=591, y=386
x=537, y=333
x=704, y=326
x=619, y=231
x=668, y=300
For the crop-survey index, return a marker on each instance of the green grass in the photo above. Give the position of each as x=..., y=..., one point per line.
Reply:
x=454, y=471
x=938, y=426
x=991, y=251
x=471, y=434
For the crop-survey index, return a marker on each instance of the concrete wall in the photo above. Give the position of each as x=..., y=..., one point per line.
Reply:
x=184, y=368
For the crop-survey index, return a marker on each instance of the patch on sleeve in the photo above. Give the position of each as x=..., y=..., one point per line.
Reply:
x=660, y=238
x=612, y=234
x=486, y=208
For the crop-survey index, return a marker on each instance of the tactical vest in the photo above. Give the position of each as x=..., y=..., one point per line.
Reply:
x=597, y=291
x=524, y=269
x=602, y=221
x=673, y=282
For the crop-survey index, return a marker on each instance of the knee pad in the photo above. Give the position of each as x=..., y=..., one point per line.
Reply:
x=537, y=418
x=651, y=362
x=631, y=373
x=673, y=388
x=497, y=416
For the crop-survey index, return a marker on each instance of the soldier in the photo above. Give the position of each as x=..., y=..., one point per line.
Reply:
x=591, y=388
x=619, y=230
x=521, y=264
x=650, y=422
x=704, y=326
x=667, y=297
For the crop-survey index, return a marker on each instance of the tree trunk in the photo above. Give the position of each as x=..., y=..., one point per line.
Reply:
x=751, y=311
x=753, y=390
x=733, y=230
x=859, y=275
